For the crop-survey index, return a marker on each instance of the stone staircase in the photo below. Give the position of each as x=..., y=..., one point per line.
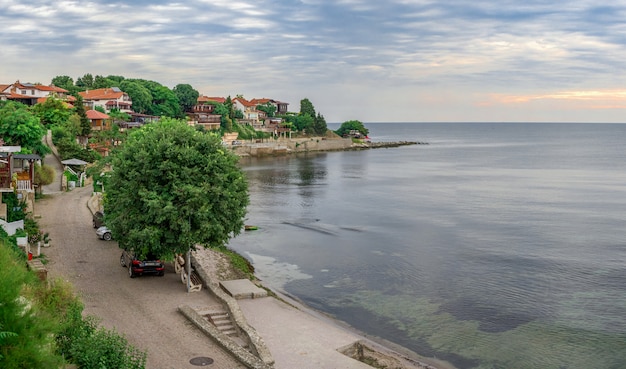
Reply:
x=220, y=318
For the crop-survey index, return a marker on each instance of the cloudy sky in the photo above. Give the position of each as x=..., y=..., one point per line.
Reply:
x=372, y=60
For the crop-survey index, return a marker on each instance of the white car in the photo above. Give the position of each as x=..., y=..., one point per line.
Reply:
x=104, y=233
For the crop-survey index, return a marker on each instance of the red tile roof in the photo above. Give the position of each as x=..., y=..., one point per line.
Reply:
x=101, y=94
x=244, y=102
x=203, y=99
x=94, y=114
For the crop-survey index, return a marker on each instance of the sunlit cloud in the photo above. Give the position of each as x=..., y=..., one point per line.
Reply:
x=593, y=99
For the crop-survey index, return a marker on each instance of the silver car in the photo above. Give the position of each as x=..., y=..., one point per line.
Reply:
x=104, y=233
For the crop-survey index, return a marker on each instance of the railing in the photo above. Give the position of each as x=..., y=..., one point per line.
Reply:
x=23, y=184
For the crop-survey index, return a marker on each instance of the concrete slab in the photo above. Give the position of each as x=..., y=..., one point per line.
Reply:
x=242, y=289
x=297, y=338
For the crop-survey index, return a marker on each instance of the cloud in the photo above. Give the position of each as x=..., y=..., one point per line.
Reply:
x=475, y=54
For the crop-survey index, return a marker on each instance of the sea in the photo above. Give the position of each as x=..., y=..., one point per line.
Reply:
x=494, y=245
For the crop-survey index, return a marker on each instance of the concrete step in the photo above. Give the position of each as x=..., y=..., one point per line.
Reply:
x=223, y=323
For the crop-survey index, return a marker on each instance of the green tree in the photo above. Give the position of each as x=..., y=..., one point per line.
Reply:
x=306, y=108
x=319, y=125
x=66, y=83
x=52, y=111
x=85, y=124
x=85, y=82
x=352, y=125
x=44, y=175
x=20, y=127
x=268, y=108
x=103, y=82
x=163, y=101
x=197, y=196
x=303, y=122
x=230, y=107
x=225, y=122
x=140, y=95
x=187, y=96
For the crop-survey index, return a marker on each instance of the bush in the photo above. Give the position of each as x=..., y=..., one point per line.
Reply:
x=42, y=326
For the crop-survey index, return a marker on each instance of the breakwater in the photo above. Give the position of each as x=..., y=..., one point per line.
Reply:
x=285, y=146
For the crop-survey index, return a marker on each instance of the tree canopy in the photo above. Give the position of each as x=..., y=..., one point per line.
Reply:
x=52, y=111
x=172, y=188
x=187, y=96
x=351, y=125
x=307, y=108
x=20, y=127
x=268, y=108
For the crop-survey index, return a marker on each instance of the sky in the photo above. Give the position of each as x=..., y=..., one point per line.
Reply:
x=370, y=60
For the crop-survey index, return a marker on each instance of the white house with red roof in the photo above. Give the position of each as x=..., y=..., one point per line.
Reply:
x=251, y=115
x=281, y=107
x=30, y=93
x=107, y=99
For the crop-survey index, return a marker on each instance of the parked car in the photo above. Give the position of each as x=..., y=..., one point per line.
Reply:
x=98, y=219
x=148, y=265
x=104, y=233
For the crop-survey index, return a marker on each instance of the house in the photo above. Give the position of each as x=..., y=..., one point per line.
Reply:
x=107, y=99
x=250, y=113
x=202, y=113
x=99, y=121
x=17, y=175
x=281, y=107
x=30, y=93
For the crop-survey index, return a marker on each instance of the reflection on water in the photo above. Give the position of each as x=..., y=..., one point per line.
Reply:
x=496, y=246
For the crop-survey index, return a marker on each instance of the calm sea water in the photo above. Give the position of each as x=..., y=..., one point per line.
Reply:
x=495, y=246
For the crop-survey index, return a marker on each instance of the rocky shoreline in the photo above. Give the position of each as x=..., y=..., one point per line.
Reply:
x=284, y=146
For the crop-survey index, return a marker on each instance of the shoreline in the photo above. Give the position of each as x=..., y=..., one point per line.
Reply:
x=285, y=146
x=291, y=312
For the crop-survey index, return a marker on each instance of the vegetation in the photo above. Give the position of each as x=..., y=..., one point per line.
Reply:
x=42, y=326
x=187, y=96
x=53, y=111
x=197, y=197
x=352, y=125
x=268, y=108
x=20, y=127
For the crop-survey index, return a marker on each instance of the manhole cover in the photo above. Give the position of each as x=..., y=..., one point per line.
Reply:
x=201, y=361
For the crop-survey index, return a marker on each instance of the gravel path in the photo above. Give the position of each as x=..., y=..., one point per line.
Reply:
x=144, y=309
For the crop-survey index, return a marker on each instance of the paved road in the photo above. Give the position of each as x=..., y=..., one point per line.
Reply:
x=145, y=308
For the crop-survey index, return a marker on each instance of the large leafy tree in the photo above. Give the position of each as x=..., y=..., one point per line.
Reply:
x=187, y=96
x=53, y=111
x=140, y=95
x=352, y=125
x=163, y=101
x=174, y=188
x=20, y=127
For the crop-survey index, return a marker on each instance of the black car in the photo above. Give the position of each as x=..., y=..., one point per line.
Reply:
x=98, y=219
x=148, y=265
